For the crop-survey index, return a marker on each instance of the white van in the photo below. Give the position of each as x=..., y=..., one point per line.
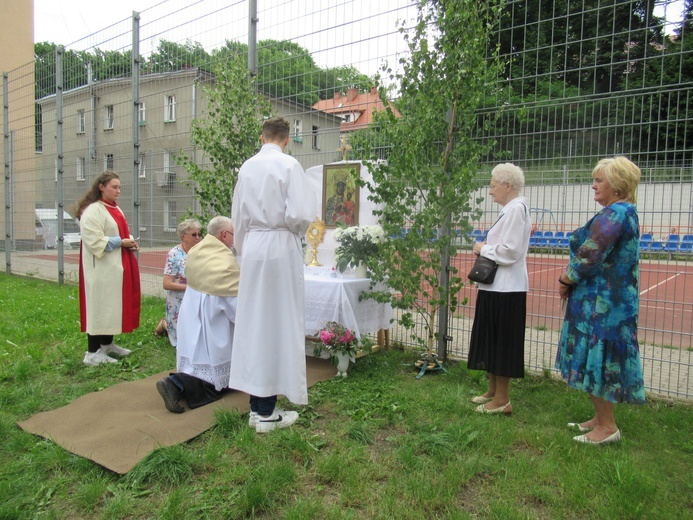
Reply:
x=47, y=229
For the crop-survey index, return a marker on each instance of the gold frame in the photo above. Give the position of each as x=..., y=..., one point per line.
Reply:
x=332, y=174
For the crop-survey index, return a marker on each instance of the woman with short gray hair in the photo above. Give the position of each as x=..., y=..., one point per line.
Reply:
x=498, y=334
x=190, y=232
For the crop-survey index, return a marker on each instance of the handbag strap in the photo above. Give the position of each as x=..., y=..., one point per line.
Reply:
x=496, y=222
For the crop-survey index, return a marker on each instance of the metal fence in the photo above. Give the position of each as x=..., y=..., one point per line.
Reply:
x=583, y=82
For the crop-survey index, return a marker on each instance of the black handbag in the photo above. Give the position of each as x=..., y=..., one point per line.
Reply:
x=483, y=271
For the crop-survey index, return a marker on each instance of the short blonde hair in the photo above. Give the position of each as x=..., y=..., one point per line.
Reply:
x=622, y=175
x=508, y=173
x=188, y=224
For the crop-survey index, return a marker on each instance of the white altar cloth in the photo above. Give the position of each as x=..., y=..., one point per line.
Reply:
x=337, y=299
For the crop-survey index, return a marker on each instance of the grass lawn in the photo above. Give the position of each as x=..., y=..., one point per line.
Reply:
x=378, y=444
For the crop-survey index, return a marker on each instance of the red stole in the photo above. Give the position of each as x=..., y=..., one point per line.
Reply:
x=131, y=273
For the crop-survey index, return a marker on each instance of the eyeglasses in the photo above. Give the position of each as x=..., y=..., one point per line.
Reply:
x=196, y=235
x=229, y=232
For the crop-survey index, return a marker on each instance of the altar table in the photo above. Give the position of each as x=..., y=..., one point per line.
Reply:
x=330, y=298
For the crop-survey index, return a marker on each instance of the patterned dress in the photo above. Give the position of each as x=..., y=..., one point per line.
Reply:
x=175, y=265
x=598, y=351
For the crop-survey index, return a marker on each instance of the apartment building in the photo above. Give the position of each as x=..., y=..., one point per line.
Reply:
x=99, y=130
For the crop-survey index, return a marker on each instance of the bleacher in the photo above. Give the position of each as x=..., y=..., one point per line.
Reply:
x=559, y=241
x=672, y=244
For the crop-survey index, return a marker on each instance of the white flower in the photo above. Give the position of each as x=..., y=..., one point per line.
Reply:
x=357, y=244
x=375, y=233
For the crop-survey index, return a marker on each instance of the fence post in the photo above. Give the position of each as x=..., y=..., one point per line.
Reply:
x=252, y=37
x=135, y=65
x=60, y=202
x=8, y=184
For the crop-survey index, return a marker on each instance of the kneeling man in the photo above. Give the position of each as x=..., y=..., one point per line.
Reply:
x=205, y=322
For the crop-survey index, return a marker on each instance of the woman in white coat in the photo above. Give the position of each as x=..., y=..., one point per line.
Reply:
x=109, y=277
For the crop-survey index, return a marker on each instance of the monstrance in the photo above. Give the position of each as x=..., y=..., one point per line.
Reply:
x=315, y=236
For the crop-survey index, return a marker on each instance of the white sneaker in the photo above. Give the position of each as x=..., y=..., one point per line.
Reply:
x=253, y=419
x=114, y=349
x=97, y=358
x=278, y=419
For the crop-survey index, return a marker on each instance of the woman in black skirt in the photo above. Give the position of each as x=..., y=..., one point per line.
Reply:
x=497, y=343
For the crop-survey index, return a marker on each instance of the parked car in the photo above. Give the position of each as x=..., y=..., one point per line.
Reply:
x=47, y=229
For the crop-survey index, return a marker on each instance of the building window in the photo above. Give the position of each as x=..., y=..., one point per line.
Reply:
x=298, y=131
x=108, y=162
x=81, y=168
x=81, y=122
x=142, y=112
x=315, y=138
x=169, y=109
x=142, y=166
x=108, y=124
x=169, y=161
x=39, y=128
x=170, y=218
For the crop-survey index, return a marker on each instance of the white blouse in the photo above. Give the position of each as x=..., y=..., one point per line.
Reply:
x=507, y=244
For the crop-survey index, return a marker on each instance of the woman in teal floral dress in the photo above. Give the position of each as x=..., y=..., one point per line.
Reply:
x=598, y=352
x=175, y=282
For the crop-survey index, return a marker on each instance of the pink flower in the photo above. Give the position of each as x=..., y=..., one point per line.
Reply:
x=348, y=337
x=326, y=336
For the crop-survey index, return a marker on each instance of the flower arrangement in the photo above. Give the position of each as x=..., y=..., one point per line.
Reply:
x=336, y=338
x=357, y=244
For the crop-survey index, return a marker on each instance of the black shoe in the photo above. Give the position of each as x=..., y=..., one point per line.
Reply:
x=170, y=394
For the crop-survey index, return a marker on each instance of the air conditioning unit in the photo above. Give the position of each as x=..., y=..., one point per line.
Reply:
x=165, y=179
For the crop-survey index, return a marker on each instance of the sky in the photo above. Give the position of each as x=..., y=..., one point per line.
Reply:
x=66, y=21
x=336, y=32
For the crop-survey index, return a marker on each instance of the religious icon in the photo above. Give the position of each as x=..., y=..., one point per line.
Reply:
x=340, y=194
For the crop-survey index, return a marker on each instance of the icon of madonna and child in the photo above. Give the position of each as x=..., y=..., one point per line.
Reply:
x=340, y=195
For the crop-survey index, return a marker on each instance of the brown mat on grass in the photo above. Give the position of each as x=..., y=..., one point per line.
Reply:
x=119, y=426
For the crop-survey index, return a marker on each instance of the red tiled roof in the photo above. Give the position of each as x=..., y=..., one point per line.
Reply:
x=353, y=102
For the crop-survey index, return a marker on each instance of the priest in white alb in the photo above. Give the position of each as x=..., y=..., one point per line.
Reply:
x=205, y=322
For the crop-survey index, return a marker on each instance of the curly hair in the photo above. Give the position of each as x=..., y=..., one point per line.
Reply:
x=94, y=192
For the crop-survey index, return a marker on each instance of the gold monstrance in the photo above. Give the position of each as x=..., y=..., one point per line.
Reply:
x=315, y=236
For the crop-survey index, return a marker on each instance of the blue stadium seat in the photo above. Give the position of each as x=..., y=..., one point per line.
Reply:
x=645, y=241
x=686, y=247
x=672, y=244
x=656, y=246
x=536, y=239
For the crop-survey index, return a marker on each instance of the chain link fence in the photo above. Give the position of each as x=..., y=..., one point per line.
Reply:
x=582, y=83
